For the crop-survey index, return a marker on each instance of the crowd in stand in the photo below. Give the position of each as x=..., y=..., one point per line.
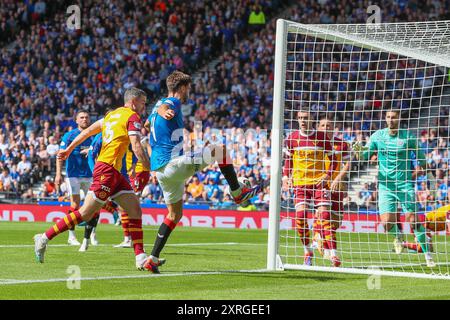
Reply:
x=18, y=16
x=52, y=72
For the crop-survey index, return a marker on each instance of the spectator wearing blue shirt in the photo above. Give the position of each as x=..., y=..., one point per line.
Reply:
x=202, y=175
x=214, y=175
x=212, y=191
x=443, y=188
x=226, y=202
x=229, y=37
x=155, y=194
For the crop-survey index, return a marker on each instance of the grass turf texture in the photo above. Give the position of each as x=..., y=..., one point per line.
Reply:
x=184, y=255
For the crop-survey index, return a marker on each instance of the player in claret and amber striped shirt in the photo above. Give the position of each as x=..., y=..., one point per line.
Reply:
x=342, y=156
x=305, y=170
x=120, y=128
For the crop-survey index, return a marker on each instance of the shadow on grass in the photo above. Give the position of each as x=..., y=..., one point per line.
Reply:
x=286, y=275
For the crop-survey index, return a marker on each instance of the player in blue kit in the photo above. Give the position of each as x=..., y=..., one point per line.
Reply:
x=173, y=168
x=78, y=173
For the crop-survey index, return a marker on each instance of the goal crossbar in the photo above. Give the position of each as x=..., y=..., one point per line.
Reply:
x=426, y=41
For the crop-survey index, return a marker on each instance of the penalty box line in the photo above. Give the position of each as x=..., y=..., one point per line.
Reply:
x=162, y=275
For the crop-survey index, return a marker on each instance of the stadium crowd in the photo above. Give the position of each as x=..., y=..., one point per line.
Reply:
x=51, y=72
x=18, y=16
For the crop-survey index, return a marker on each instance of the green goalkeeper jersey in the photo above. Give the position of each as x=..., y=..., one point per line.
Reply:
x=394, y=158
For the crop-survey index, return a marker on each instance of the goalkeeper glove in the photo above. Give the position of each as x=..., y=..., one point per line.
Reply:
x=358, y=147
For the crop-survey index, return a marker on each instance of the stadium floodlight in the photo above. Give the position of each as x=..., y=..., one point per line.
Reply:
x=353, y=74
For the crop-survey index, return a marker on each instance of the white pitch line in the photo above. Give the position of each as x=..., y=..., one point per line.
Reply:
x=167, y=245
x=205, y=273
x=418, y=264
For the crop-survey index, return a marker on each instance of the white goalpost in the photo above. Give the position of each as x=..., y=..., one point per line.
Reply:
x=356, y=79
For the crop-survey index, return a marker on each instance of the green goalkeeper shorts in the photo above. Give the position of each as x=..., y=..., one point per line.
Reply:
x=388, y=200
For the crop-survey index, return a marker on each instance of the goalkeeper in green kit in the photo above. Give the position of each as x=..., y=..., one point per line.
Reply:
x=394, y=147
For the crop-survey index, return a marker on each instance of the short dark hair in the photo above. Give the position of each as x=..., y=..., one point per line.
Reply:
x=397, y=111
x=80, y=112
x=176, y=80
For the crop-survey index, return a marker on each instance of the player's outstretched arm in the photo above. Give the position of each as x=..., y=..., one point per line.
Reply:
x=146, y=146
x=365, y=152
x=165, y=112
x=335, y=184
x=58, y=176
x=147, y=125
x=326, y=180
x=346, y=154
x=93, y=129
x=358, y=150
x=138, y=150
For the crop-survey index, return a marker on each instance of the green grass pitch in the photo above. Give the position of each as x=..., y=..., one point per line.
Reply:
x=201, y=264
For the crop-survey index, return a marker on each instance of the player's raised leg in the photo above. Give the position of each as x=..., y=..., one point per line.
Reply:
x=220, y=154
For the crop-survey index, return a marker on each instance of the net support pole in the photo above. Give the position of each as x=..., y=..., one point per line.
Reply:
x=277, y=140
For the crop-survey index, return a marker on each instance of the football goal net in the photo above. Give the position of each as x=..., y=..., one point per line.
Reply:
x=360, y=149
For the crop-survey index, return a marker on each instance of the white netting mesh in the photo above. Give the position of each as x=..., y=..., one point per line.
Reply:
x=352, y=74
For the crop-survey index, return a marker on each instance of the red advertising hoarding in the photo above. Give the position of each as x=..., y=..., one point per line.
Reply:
x=352, y=222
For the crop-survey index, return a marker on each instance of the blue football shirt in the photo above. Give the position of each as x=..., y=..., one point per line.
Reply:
x=77, y=165
x=166, y=136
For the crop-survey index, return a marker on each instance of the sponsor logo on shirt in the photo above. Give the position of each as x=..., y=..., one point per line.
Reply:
x=105, y=188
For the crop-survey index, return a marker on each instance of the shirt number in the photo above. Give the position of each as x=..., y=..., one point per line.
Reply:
x=109, y=133
x=152, y=128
